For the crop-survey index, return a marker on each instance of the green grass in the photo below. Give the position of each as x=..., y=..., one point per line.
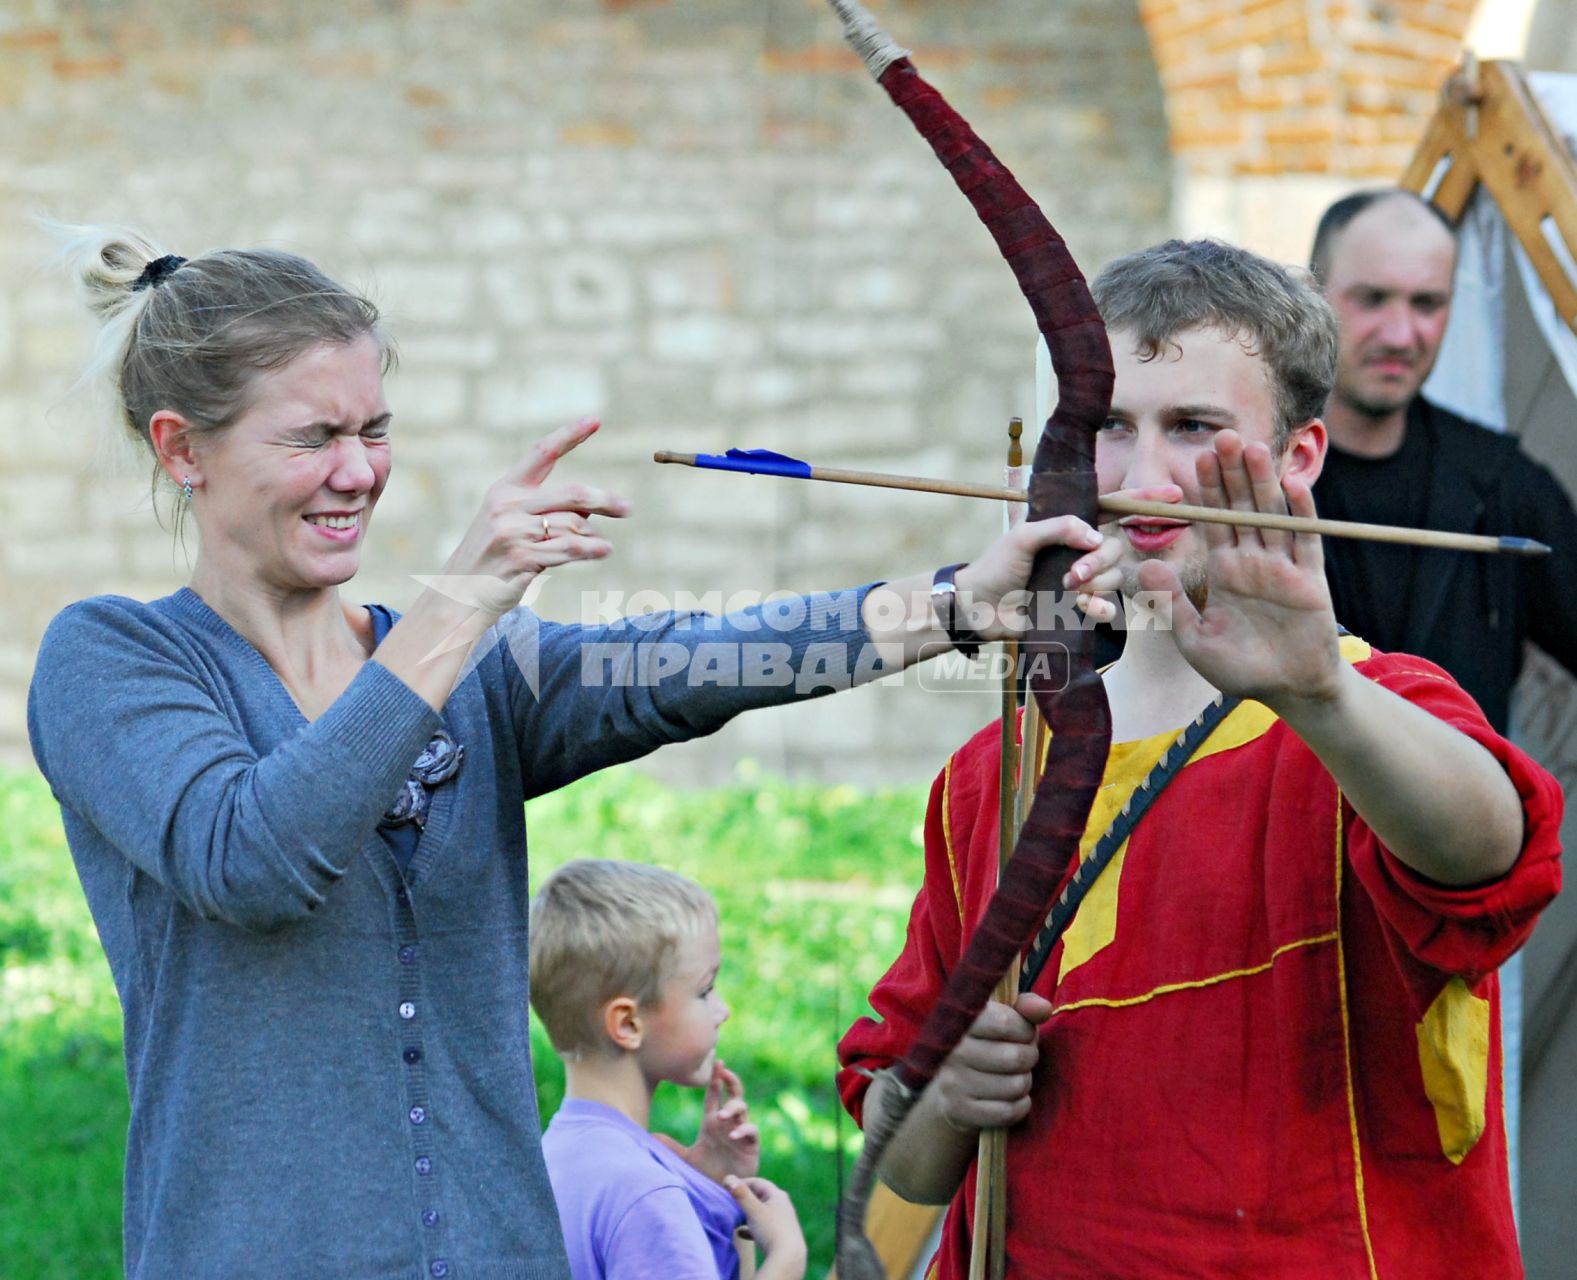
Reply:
x=62, y=1082
x=812, y=883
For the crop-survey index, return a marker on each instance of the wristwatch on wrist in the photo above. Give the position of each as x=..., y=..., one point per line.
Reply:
x=944, y=599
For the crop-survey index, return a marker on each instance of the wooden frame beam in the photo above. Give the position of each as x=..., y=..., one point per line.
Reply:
x=1490, y=129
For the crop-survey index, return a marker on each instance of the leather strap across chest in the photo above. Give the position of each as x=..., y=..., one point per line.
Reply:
x=1084, y=876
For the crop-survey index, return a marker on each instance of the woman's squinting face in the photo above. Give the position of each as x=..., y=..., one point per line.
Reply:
x=288, y=490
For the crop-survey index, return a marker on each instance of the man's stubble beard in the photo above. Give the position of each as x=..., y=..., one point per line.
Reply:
x=1190, y=574
x=1369, y=407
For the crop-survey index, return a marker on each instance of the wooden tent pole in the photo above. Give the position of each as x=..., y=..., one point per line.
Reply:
x=1490, y=129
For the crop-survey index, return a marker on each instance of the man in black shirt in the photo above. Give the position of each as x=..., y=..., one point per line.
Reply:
x=1385, y=260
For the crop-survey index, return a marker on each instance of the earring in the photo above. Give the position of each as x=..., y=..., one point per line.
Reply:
x=186, y=488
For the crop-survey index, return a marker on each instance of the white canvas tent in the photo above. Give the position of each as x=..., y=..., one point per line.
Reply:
x=1510, y=361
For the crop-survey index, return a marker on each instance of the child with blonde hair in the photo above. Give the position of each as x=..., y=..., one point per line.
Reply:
x=624, y=962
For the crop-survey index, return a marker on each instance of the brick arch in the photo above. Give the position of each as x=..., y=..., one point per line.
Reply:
x=1341, y=88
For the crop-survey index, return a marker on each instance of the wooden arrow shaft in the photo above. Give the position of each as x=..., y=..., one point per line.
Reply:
x=1175, y=511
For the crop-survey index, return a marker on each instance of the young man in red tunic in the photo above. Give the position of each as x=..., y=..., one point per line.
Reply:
x=1268, y=1045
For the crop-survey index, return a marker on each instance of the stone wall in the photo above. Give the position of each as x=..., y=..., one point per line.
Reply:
x=700, y=221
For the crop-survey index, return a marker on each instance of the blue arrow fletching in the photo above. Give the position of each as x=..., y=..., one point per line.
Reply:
x=756, y=462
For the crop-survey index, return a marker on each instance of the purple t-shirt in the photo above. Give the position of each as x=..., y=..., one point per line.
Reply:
x=630, y=1208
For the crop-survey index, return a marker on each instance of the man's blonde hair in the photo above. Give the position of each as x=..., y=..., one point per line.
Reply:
x=601, y=929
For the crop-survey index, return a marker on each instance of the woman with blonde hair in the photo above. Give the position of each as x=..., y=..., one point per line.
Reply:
x=299, y=821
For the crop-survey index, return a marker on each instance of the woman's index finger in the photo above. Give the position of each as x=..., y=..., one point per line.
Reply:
x=539, y=460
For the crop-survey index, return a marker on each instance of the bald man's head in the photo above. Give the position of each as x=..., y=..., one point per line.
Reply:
x=1336, y=219
x=1385, y=261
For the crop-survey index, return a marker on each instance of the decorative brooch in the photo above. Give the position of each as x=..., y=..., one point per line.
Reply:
x=440, y=760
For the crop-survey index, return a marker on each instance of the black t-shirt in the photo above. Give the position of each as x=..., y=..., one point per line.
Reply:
x=1374, y=580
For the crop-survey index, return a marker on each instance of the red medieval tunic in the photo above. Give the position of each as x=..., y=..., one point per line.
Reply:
x=1276, y=1049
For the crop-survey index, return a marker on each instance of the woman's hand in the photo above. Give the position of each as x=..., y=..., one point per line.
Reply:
x=992, y=600
x=991, y=588
x=526, y=526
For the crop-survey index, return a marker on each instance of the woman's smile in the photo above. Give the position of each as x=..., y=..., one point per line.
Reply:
x=336, y=526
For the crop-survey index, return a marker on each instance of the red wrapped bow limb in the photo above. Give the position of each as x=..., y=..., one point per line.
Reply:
x=1063, y=480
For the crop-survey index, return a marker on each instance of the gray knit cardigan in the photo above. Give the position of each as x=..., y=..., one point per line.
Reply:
x=329, y=1062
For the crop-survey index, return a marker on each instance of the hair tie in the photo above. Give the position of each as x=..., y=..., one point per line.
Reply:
x=158, y=271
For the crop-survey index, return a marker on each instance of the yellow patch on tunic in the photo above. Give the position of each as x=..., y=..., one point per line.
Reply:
x=1095, y=925
x=1453, y=1052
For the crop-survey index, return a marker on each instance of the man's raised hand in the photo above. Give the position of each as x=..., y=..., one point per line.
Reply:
x=1266, y=629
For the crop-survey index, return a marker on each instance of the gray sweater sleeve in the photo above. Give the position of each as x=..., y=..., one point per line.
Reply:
x=129, y=723
x=584, y=698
